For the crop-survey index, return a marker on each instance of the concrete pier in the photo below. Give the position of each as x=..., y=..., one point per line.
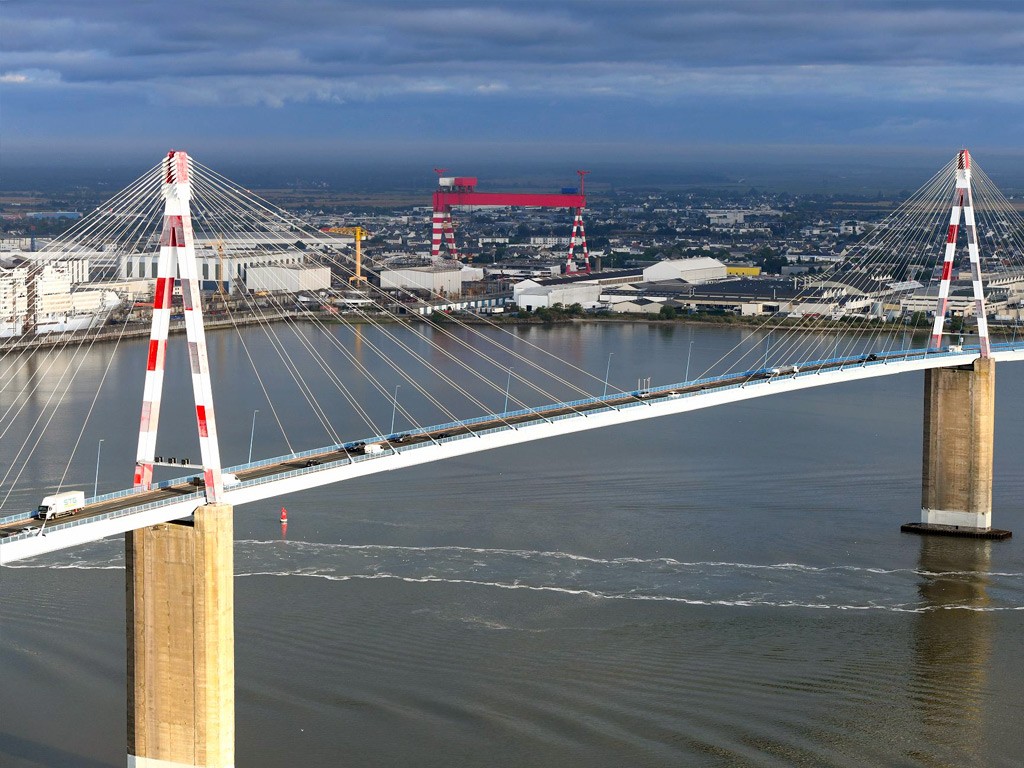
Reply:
x=181, y=659
x=959, y=426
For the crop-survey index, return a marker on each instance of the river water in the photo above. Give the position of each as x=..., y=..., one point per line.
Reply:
x=723, y=588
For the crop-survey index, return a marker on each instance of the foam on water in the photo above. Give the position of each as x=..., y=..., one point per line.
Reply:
x=839, y=587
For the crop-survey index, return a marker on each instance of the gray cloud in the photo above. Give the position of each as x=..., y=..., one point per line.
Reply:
x=640, y=48
x=669, y=69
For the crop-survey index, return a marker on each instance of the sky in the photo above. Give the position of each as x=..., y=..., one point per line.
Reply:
x=644, y=83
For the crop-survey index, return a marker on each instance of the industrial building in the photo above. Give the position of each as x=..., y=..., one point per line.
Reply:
x=57, y=306
x=743, y=297
x=74, y=266
x=224, y=263
x=531, y=296
x=701, y=269
x=435, y=280
x=960, y=301
x=573, y=289
x=291, y=278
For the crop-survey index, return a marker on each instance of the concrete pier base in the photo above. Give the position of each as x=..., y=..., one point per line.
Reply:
x=932, y=529
x=959, y=426
x=181, y=660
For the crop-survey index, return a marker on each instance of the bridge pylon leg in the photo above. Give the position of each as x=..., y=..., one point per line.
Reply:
x=180, y=631
x=959, y=427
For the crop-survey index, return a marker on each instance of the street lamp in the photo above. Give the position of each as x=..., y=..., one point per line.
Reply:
x=688, y=353
x=96, y=477
x=252, y=433
x=394, y=408
x=607, y=370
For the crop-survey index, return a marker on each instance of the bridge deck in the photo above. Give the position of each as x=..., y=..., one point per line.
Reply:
x=22, y=535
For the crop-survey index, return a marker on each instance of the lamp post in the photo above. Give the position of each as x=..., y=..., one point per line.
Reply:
x=252, y=433
x=394, y=408
x=607, y=370
x=688, y=353
x=96, y=477
x=767, y=346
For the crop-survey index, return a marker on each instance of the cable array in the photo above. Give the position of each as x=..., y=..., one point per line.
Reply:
x=458, y=366
x=897, y=259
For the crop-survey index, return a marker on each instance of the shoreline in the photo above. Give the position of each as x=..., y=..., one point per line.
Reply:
x=142, y=329
x=781, y=324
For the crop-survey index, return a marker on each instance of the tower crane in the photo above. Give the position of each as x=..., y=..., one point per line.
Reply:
x=359, y=234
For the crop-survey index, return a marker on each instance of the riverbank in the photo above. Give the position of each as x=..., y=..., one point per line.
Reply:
x=132, y=330
x=757, y=322
x=141, y=329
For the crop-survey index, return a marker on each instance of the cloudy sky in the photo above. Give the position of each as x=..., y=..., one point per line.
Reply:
x=579, y=79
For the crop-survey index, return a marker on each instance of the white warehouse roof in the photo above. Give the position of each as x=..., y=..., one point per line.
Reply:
x=697, y=270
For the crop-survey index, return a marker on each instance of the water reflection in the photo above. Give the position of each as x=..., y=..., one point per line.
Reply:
x=952, y=648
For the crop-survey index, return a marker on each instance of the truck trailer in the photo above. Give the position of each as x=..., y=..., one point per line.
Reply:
x=61, y=504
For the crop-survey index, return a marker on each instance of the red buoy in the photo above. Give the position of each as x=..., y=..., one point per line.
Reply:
x=284, y=515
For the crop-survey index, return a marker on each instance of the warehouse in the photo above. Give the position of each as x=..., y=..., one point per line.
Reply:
x=437, y=281
x=292, y=278
x=702, y=269
x=530, y=295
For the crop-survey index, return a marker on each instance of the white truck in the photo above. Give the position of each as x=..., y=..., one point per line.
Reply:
x=61, y=504
x=372, y=449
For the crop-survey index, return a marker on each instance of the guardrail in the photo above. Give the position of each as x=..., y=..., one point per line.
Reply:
x=17, y=518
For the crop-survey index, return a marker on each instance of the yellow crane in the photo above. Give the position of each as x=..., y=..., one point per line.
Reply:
x=359, y=234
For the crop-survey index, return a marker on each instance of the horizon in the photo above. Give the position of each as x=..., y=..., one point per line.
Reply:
x=815, y=169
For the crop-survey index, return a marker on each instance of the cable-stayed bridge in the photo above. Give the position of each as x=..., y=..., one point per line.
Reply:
x=123, y=511
x=191, y=233
x=188, y=230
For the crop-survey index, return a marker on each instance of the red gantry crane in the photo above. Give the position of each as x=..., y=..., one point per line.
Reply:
x=461, y=190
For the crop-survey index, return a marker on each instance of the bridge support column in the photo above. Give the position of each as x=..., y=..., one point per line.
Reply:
x=181, y=657
x=959, y=422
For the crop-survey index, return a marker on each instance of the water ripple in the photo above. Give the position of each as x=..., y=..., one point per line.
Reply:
x=839, y=587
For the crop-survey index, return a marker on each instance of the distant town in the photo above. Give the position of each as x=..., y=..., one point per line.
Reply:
x=700, y=253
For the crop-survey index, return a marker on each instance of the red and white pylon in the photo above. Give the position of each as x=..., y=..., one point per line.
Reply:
x=441, y=230
x=178, y=258
x=963, y=200
x=577, y=226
